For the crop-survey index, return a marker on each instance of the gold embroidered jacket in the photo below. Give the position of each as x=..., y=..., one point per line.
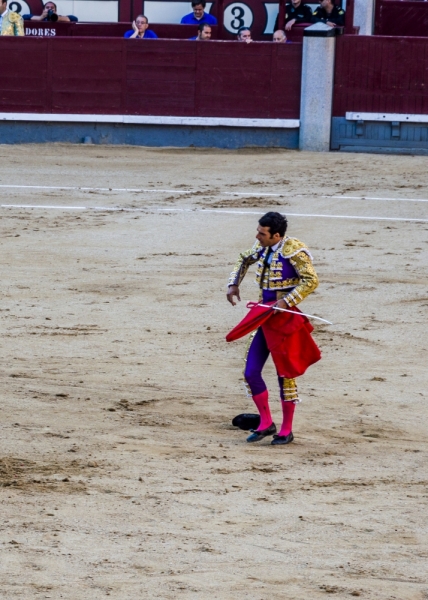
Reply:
x=12, y=24
x=291, y=273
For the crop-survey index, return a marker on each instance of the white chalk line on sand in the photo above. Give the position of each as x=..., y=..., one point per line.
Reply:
x=204, y=210
x=221, y=193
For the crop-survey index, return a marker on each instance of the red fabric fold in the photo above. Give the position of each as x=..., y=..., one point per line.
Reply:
x=253, y=320
x=288, y=337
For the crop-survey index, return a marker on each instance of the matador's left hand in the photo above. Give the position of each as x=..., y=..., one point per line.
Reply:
x=281, y=304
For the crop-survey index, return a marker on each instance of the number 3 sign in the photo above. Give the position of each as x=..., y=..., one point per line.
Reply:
x=237, y=15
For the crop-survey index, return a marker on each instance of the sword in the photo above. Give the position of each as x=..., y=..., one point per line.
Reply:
x=295, y=313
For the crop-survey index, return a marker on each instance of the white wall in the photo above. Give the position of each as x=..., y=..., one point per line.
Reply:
x=103, y=11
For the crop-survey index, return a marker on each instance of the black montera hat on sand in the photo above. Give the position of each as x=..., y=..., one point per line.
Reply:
x=246, y=421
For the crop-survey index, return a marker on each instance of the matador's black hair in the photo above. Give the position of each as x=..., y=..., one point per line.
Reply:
x=276, y=222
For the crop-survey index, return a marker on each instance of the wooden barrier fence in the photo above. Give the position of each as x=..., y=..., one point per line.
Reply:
x=401, y=18
x=167, y=77
x=381, y=74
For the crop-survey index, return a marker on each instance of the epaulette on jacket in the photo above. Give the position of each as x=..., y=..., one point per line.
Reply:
x=14, y=17
x=293, y=246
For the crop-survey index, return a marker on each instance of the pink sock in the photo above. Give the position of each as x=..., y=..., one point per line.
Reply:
x=287, y=418
x=262, y=403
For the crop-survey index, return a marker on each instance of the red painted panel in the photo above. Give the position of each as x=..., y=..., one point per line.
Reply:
x=166, y=77
x=126, y=10
x=180, y=104
x=166, y=74
x=23, y=56
x=381, y=74
x=160, y=78
x=22, y=84
x=286, y=81
x=99, y=29
x=46, y=29
x=23, y=75
x=236, y=107
x=30, y=101
x=233, y=80
x=160, y=53
x=86, y=75
x=85, y=85
x=93, y=102
x=401, y=18
x=238, y=80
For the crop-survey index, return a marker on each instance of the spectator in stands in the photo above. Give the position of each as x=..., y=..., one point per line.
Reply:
x=329, y=13
x=204, y=33
x=140, y=30
x=244, y=35
x=50, y=14
x=279, y=37
x=10, y=22
x=198, y=16
x=295, y=12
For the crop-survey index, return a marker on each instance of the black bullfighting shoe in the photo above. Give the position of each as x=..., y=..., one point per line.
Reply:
x=256, y=436
x=246, y=421
x=280, y=440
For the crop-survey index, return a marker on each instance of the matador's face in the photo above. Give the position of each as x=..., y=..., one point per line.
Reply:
x=265, y=238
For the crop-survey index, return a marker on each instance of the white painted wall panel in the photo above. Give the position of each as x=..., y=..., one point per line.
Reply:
x=168, y=12
x=103, y=11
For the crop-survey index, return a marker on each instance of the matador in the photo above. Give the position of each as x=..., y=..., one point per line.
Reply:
x=285, y=275
x=11, y=23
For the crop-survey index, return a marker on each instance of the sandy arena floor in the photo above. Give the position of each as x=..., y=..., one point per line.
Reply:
x=120, y=473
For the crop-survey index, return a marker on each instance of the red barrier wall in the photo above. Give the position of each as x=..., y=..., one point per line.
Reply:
x=162, y=30
x=162, y=77
x=381, y=74
x=401, y=17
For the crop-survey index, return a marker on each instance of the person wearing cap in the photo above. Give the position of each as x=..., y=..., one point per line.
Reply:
x=329, y=13
x=285, y=275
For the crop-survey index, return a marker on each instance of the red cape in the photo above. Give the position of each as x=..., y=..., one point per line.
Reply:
x=288, y=337
x=254, y=319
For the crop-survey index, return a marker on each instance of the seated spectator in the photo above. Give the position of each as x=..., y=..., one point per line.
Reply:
x=198, y=16
x=204, y=33
x=329, y=13
x=279, y=37
x=244, y=35
x=295, y=12
x=10, y=22
x=140, y=30
x=49, y=14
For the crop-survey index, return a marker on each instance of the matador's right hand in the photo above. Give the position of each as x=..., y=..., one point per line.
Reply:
x=233, y=291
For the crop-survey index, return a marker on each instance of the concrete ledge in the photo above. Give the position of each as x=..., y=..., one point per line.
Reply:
x=232, y=137
x=153, y=120
x=389, y=137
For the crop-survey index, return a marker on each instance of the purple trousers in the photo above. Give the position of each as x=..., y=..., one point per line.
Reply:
x=257, y=356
